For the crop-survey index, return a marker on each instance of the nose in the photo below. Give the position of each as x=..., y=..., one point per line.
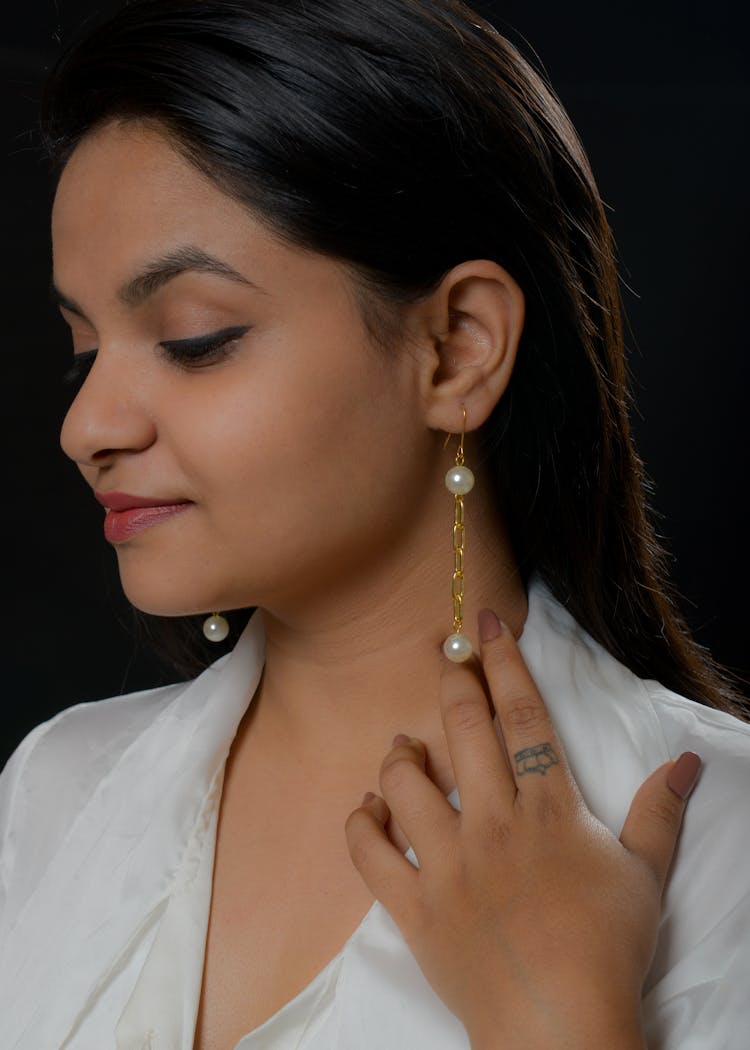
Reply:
x=110, y=414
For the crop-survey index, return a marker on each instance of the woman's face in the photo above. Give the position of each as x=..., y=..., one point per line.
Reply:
x=296, y=442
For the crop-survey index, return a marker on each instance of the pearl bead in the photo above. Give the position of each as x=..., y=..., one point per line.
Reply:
x=216, y=628
x=459, y=480
x=457, y=648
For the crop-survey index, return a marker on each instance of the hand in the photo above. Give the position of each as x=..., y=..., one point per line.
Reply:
x=529, y=918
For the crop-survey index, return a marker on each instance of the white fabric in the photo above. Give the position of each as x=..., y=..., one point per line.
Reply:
x=108, y=817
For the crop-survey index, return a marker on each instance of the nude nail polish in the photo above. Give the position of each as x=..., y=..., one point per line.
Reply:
x=489, y=625
x=683, y=775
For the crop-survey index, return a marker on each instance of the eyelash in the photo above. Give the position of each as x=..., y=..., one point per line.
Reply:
x=185, y=353
x=215, y=346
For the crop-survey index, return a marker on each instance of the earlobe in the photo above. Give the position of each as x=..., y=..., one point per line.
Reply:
x=476, y=317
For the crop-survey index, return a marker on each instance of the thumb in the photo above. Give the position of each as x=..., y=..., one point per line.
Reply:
x=655, y=815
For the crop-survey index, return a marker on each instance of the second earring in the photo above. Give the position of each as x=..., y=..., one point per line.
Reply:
x=216, y=628
x=459, y=480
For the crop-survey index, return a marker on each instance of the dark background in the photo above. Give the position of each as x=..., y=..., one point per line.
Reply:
x=661, y=98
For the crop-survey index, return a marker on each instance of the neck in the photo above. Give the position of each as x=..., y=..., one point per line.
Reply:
x=351, y=667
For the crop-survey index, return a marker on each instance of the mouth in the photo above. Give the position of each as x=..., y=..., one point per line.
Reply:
x=128, y=514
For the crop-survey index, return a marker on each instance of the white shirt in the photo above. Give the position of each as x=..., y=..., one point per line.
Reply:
x=108, y=816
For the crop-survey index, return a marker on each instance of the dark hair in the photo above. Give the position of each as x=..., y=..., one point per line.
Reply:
x=346, y=128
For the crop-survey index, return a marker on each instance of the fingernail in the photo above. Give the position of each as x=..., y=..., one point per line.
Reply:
x=489, y=625
x=369, y=796
x=400, y=740
x=684, y=773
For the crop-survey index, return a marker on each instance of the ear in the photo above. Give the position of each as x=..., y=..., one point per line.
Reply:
x=470, y=328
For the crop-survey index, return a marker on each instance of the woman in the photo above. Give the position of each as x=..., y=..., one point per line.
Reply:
x=321, y=261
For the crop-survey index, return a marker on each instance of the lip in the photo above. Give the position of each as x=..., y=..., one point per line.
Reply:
x=127, y=515
x=124, y=501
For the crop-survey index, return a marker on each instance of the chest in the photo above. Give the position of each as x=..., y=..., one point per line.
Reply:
x=285, y=899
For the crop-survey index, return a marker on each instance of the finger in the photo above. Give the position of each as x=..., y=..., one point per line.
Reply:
x=417, y=805
x=479, y=764
x=388, y=875
x=655, y=815
x=536, y=756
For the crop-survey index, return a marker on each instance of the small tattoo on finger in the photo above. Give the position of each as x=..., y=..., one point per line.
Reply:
x=536, y=759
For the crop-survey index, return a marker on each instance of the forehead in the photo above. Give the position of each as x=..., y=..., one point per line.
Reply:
x=127, y=181
x=127, y=196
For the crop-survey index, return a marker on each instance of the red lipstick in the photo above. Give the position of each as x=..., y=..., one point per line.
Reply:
x=127, y=515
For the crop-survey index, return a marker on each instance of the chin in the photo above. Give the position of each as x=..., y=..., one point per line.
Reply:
x=157, y=595
x=169, y=610
x=157, y=599
x=170, y=585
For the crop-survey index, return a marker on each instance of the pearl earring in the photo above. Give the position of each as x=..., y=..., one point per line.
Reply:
x=216, y=628
x=459, y=480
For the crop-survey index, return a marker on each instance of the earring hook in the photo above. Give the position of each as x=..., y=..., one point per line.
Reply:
x=460, y=452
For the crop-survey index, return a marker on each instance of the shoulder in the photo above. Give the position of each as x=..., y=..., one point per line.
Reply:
x=100, y=778
x=680, y=715
x=713, y=841
x=53, y=770
x=603, y=696
x=76, y=748
x=696, y=991
x=695, y=994
x=617, y=728
x=723, y=742
x=84, y=737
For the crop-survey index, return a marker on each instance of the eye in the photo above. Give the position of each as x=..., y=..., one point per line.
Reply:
x=185, y=352
x=204, y=348
x=75, y=376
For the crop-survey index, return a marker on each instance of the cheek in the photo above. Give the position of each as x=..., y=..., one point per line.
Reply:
x=308, y=472
x=302, y=455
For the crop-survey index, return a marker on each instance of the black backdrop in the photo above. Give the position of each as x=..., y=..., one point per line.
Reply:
x=661, y=99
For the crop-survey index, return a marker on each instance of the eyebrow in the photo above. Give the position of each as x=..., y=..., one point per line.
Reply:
x=188, y=258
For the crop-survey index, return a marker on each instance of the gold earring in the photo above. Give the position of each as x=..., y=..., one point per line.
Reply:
x=216, y=628
x=459, y=480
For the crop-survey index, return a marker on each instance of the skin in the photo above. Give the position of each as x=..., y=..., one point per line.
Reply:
x=315, y=465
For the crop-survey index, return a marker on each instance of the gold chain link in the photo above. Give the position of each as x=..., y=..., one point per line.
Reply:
x=459, y=535
x=459, y=539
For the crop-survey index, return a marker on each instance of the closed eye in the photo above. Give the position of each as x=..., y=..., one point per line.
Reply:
x=210, y=347
x=185, y=352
